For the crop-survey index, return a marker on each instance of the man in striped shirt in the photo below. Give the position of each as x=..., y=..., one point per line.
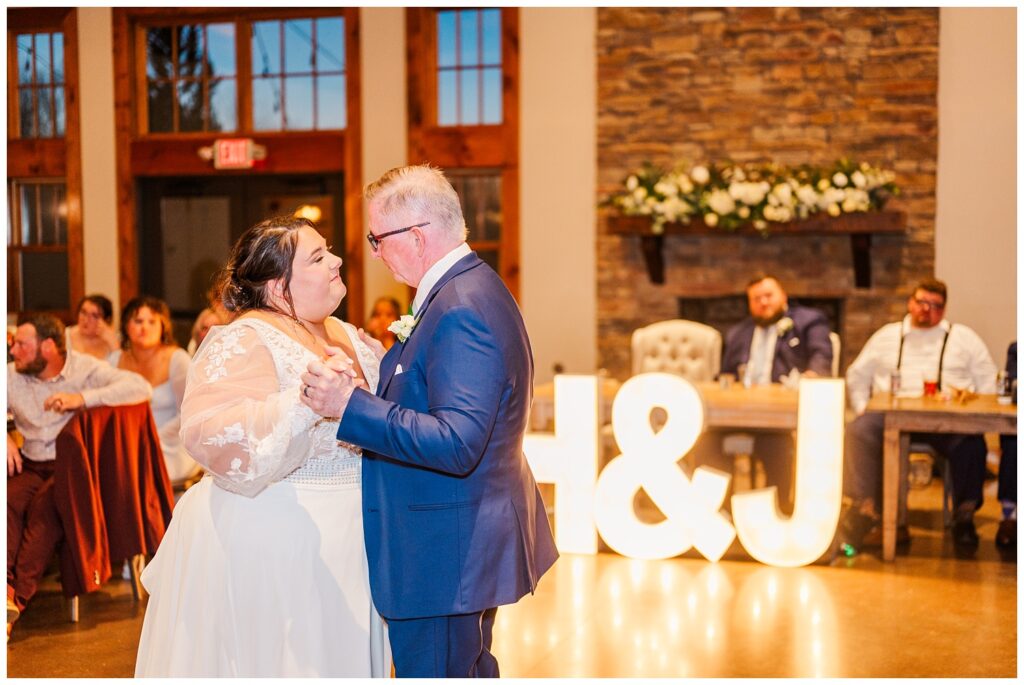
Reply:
x=924, y=345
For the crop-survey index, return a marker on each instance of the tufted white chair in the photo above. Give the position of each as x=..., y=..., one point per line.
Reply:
x=686, y=348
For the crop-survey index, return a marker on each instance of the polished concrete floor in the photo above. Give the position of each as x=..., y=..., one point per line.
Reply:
x=927, y=614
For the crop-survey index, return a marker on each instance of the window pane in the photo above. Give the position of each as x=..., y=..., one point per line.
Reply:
x=190, y=50
x=330, y=43
x=469, y=97
x=446, y=39
x=58, y=101
x=51, y=196
x=220, y=47
x=266, y=104
x=29, y=211
x=160, y=108
x=447, y=92
x=492, y=96
x=26, y=113
x=158, y=53
x=44, y=105
x=480, y=194
x=469, y=37
x=491, y=36
x=330, y=106
x=266, y=48
x=298, y=46
x=190, y=106
x=43, y=58
x=58, y=58
x=298, y=99
x=44, y=280
x=223, y=115
x=25, y=58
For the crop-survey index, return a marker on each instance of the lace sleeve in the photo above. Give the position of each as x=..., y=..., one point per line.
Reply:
x=236, y=420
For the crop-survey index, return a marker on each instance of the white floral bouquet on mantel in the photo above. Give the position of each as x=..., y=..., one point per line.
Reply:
x=731, y=195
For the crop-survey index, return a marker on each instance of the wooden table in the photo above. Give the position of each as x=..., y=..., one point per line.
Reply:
x=904, y=416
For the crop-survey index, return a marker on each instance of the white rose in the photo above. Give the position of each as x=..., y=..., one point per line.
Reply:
x=665, y=188
x=721, y=202
x=823, y=184
x=833, y=210
x=807, y=195
x=700, y=174
x=744, y=212
x=711, y=219
x=858, y=179
x=783, y=192
x=632, y=183
x=685, y=184
x=839, y=180
x=640, y=193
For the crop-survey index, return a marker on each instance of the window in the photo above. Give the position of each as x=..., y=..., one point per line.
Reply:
x=298, y=74
x=191, y=78
x=40, y=85
x=37, y=246
x=463, y=68
x=468, y=67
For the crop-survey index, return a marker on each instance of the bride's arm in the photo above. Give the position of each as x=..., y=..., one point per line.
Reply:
x=236, y=421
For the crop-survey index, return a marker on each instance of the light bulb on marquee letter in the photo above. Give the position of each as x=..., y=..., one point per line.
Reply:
x=568, y=460
x=648, y=460
x=818, y=493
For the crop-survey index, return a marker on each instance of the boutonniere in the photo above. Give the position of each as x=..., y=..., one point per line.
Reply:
x=783, y=326
x=403, y=327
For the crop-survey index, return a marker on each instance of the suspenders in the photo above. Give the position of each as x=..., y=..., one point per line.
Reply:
x=942, y=354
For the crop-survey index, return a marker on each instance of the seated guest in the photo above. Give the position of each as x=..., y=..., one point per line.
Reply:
x=385, y=312
x=773, y=341
x=150, y=351
x=923, y=344
x=1006, y=536
x=46, y=382
x=94, y=333
x=207, y=319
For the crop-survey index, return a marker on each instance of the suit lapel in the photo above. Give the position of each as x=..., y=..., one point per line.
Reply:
x=389, y=363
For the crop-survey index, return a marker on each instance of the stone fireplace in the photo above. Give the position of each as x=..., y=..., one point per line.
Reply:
x=787, y=85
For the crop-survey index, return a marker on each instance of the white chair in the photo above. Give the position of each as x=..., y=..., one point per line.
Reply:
x=685, y=348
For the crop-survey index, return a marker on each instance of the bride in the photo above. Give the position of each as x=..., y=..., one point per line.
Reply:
x=263, y=571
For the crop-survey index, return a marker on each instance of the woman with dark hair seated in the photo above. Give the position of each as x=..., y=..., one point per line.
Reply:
x=148, y=349
x=94, y=334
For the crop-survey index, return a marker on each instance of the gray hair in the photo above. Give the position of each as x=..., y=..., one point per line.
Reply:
x=422, y=191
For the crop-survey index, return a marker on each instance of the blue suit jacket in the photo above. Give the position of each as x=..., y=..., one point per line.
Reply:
x=453, y=519
x=804, y=346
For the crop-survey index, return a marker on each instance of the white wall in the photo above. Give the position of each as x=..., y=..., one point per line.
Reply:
x=976, y=211
x=557, y=177
x=99, y=152
x=385, y=127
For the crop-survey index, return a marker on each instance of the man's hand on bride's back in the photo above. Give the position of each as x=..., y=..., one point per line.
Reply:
x=375, y=345
x=327, y=385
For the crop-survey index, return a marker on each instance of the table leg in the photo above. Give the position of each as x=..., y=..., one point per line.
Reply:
x=890, y=488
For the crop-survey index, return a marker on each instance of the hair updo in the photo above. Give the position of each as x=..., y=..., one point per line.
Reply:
x=263, y=253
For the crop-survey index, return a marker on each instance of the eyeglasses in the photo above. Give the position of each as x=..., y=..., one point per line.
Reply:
x=928, y=304
x=375, y=240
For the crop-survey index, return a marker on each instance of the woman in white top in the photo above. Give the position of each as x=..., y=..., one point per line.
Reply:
x=94, y=334
x=150, y=351
x=263, y=571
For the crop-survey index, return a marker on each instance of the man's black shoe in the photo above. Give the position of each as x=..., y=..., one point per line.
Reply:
x=1006, y=536
x=964, y=533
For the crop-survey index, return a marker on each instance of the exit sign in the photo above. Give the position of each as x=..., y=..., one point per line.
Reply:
x=233, y=153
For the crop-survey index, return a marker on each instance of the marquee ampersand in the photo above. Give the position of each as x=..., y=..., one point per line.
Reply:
x=649, y=461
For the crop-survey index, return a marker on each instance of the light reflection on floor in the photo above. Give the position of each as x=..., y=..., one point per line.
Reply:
x=930, y=614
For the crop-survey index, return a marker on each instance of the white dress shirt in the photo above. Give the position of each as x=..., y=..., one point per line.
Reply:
x=965, y=364
x=434, y=274
x=99, y=383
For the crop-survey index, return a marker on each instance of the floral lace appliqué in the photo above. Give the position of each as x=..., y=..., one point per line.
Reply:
x=224, y=348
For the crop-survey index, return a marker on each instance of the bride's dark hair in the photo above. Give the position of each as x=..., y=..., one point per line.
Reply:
x=262, y=254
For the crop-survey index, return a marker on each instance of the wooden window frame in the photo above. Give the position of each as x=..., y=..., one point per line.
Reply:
x=32, y=160
x=175, y=154
x=485, y=146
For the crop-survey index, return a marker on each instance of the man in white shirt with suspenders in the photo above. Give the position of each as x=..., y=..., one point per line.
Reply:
x=924, y=345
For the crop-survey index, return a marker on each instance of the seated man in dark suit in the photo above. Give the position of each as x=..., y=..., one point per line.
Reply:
x=1006, y=536
x=773, y=341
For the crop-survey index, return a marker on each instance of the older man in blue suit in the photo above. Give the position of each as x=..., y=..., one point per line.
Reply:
x=453, y=519
x=773, y=341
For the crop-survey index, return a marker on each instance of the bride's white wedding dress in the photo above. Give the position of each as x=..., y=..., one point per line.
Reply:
x=263, y=570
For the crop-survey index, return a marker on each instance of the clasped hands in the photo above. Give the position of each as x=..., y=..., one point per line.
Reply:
x=328, y=383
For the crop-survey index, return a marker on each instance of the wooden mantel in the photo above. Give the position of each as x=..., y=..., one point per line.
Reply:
x=859, y=226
